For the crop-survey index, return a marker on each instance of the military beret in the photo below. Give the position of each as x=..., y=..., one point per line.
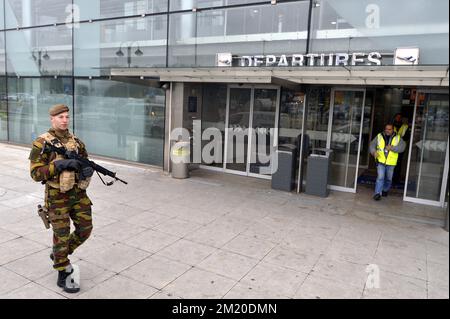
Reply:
x=57, y=109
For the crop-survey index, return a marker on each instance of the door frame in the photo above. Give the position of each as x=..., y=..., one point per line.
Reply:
x=252, y=88
x=329, y=135
x=441, y=202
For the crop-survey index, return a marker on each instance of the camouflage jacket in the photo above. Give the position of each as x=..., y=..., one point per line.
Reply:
x=41, y=165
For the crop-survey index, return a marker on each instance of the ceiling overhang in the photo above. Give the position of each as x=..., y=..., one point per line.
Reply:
x=344, y=75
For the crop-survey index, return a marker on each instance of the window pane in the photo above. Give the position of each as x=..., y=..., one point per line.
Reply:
x=291, y=117
x=29, y=101
x=120, y=43
x=40, y=51
x=189, y=4
x=95, y=9
x=196, y=38
x=3, y=110
x=119, y=119
x=26, y=13
x=2, y=53
x=355, y=25
x=214, y=109
x=429, y=146
x=2, y=16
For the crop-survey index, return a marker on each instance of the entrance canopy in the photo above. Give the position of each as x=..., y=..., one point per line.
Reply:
x=343, y=75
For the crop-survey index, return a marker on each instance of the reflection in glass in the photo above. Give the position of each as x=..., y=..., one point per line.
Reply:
x=39, y=51
x=136, y=42
x=366, y=130
x=429, y=146
x=318, y=106
x=101, y=9
x=2, y=16
x=28, y=102
x=346, y=126
x=27, y=13
x=291, y=123
x=196, y=37
x=121, y=119
x=263, y=124
x=2, y=54
x=3, y=110
x=238, y=125
x=361, y=26
x=176, y=5
x=214, y=115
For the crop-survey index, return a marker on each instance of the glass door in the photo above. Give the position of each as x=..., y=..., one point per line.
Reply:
x=344, y=137
x=263, y=124
x=237, y=133
x=252, y=114
x=427, y=171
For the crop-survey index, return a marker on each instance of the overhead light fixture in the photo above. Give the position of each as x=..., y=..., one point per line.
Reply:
x=139, y=52
x=46, y=56
x=316, y=4
x=119, y=52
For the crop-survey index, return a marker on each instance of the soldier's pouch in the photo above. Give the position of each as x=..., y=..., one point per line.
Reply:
x=66, y=181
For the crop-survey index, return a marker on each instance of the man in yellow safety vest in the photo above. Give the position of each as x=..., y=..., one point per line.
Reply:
x=385, y=148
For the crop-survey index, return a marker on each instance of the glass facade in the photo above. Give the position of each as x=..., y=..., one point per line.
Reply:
x=196, y=37
x=121, y=119
x=104, y=9
x=28, y=102
x=136, y=42
x=39, y=51
x=73, y=44
x=383, y=26
x=3, y=110
x=28, y=13
x=176, y=5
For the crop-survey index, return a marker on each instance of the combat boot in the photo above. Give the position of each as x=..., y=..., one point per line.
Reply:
x=66, y=280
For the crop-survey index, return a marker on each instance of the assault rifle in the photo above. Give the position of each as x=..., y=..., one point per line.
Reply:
x=48, y=148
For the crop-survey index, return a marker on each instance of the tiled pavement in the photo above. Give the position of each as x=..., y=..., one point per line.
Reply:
x=221, y=236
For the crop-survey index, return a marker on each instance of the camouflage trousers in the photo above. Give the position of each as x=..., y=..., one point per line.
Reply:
x=73, y=205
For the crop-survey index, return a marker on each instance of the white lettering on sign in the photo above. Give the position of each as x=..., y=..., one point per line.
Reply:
x=311, y=59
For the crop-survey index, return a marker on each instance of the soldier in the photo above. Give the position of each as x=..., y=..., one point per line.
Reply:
x=65, y=194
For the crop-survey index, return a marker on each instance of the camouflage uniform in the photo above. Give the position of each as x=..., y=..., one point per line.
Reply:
x=62, y=207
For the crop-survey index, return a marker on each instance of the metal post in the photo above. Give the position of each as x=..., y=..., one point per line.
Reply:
x=446, y=222
x=129, y=56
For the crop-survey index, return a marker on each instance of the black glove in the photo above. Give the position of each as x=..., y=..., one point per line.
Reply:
x=67, y=165
x=86, y=172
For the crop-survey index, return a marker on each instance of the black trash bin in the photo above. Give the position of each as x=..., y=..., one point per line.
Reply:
x=284, y=176
x=318, y=172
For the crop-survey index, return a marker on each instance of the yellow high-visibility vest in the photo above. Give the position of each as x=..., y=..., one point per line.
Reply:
x=402, y=130
x=392, y=157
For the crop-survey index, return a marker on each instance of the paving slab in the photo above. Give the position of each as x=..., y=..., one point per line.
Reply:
x=222, y=236
x=119, y=287
x=187, y=252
